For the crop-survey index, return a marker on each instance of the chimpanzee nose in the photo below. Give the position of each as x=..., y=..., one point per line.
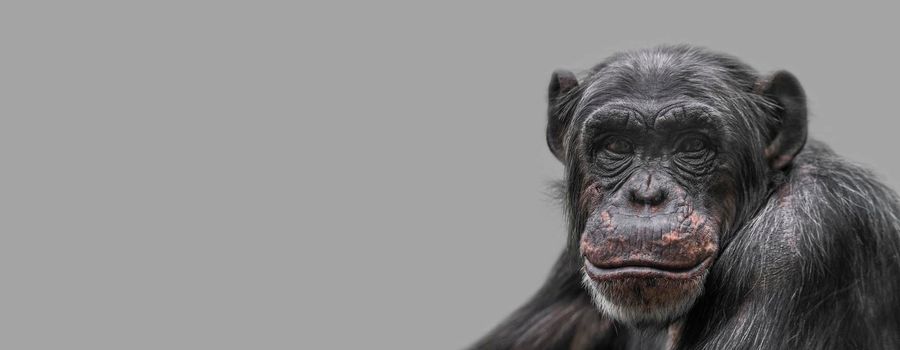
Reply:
x=648, y=192
x=652, y=197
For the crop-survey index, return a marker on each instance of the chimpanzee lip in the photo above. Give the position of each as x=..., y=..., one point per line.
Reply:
x=644, y=269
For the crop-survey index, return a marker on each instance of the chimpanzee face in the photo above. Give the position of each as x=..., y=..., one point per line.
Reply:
x=666, y=150
x=654, y=210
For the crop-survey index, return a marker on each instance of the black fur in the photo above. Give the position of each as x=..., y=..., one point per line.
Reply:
x=809, y=260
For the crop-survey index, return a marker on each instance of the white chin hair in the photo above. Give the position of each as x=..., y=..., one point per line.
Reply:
x=638, y=316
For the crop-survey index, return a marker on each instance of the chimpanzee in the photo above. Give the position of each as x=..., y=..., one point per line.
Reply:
x=701, y=217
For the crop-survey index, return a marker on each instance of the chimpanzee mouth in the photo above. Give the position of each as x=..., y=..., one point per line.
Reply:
x=645, y=269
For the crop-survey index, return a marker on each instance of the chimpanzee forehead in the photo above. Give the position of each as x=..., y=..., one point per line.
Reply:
x=662, y=75
x=648, y=114
x=653, y=88
x=659, y=94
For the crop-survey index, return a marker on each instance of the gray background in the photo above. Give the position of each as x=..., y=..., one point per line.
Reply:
x=262, y=175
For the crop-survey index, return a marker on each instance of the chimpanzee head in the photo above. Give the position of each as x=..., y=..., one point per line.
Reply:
x=667, y=152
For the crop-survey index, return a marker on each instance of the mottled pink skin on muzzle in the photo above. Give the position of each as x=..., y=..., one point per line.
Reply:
x=649, y=259
x=672, y=241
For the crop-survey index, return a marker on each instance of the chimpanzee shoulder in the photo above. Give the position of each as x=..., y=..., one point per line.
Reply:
x=816, y=268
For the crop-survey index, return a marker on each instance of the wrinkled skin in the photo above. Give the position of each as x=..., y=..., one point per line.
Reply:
x=652, y=231
x=700, y=217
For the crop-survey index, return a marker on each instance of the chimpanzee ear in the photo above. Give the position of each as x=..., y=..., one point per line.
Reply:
x=789, y=129
x=561, y=83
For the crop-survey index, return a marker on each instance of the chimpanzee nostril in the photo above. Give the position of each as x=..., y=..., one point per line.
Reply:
x=648, y=196
x=648, y=188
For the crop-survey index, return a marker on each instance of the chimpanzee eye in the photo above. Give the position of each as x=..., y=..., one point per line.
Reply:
x=692, y=144
x=619, y=145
